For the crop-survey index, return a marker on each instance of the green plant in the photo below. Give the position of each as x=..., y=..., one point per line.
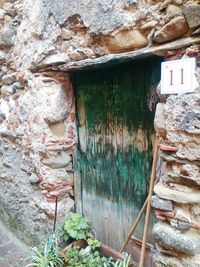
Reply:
x=123, y=263
x=77, y=227
x=82, y=257
x=93, y=243
x=49, y=257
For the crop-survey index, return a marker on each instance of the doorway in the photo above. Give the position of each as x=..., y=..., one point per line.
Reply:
x=114, y=151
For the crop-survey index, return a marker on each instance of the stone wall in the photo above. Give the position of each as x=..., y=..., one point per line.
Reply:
x=37, y=139
x=38, y=38
x=177, y=193
x=36, y=150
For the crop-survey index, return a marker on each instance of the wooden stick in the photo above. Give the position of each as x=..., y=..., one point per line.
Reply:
x=134, y=225
x=55, y=215
x=153, y=174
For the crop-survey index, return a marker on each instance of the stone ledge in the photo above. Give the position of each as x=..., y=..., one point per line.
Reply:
x=159, y=50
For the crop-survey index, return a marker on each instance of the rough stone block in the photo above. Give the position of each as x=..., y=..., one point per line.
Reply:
x=181, y=105
x=7, y=36
x=190, y=150
x=182, y=173
x=172, y=30
x=34, y=179
x=192, y=14
x=173, y=11
x=58, y=128
x=163, y=260
x=191, y=120
x=160, y=120
x=170, y=239
x=164, y=4
x=60, y=58
x=179, y=193
x=2, y=14
x=183, y=226
x=184, y=212
x=64, y=206
x=7, y=6
x=59, y=161
x=3, y=56
x=161, y=204
x=4, y=90
x=2, y=3
x=177, y=2
x=126, y=40
x=181, y=129
x=66, y=34
x=149, y=25
x=9, y=79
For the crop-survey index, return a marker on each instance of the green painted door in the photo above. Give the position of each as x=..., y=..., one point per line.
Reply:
x=114, y=150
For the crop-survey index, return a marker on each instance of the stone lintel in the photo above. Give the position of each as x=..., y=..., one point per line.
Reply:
x=112, y=59
x=158, y=50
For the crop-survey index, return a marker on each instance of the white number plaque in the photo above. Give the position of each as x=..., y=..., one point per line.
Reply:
x=178, y=76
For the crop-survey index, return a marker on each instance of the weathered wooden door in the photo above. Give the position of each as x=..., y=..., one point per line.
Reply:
x=114, y=151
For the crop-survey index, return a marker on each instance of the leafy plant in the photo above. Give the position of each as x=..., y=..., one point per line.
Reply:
x=123, y=263
x=93, y=243
x=77, y=227
x=49, y=257
x=77, y=257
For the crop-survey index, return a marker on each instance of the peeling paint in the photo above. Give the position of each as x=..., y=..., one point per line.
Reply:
x=115, y=130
